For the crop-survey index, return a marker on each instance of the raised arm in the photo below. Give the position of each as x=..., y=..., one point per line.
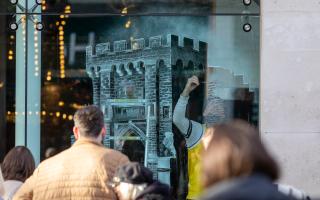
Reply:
x=191, y=130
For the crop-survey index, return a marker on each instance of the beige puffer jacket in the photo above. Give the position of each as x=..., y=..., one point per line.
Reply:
x=81, y=172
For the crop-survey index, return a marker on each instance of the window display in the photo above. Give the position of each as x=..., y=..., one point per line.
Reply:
x=133, y=59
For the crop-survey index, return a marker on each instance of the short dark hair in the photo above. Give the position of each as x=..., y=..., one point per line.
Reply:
x=89, y=120
x=236, y=150
x=18, y=164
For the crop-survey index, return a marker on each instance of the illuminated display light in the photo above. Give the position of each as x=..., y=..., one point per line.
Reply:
x=128, y=24
x=124, y=10
x=70, y=117
x=61, y=103
x=43, y=113
x=61, y=49
x=57, y=114
x=49, y=76
x=10, y=55
x=64, y=116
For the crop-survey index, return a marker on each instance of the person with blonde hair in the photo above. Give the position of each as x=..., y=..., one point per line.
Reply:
x=236, y=165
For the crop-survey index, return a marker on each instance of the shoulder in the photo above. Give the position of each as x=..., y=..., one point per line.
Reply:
x=111, y=154
x=249, y=188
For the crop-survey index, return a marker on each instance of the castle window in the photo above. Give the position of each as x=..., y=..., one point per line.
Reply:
x=166, y=112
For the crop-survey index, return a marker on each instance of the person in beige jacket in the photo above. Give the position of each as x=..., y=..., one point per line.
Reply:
x=81, y=172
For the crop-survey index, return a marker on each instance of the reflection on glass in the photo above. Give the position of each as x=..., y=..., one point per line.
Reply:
x=135, y=68
x=7, y=85
x=133, y=65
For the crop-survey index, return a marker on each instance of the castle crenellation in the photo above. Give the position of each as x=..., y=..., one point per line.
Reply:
x=122, y=46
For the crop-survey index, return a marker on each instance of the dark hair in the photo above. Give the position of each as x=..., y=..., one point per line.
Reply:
x=18, y=164
x=236, y=150
x=89, y=120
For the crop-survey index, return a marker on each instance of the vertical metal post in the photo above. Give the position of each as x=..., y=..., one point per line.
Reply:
x=28, y=81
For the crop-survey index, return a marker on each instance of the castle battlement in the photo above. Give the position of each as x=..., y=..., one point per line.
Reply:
x=155, y=42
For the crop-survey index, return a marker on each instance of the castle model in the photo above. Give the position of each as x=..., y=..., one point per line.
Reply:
x=135, y=85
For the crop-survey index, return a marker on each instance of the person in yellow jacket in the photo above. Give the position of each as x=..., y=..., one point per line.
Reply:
x=195, y=135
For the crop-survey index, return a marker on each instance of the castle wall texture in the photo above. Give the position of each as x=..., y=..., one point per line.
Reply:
x=130, y=78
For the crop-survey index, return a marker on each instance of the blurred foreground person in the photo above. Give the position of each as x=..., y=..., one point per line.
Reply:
x=80, y=172
x=236, y=165
x=135, y=182
x=1, y=185
x=17, y=166
x=292, y=192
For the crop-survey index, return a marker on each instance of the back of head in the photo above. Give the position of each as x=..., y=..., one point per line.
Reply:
x=18, y=164
x=89, y=120
x=236, y=150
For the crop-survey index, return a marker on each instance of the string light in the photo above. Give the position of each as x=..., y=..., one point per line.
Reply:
x=36, y=53
x=43, y=5
x=128, y=24
x=57, y=114
x=49, y=76
x=61, y=103
x=10, y=55
x=124, y=10
x=43, y=113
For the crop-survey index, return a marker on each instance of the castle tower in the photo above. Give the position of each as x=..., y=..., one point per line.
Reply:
x=129, y=81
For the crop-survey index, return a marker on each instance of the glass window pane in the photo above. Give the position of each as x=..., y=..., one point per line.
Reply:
x=132, y=59
x=7, y=85
x=135, y=68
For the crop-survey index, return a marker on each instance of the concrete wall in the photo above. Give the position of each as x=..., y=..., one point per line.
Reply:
x=290, y=89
